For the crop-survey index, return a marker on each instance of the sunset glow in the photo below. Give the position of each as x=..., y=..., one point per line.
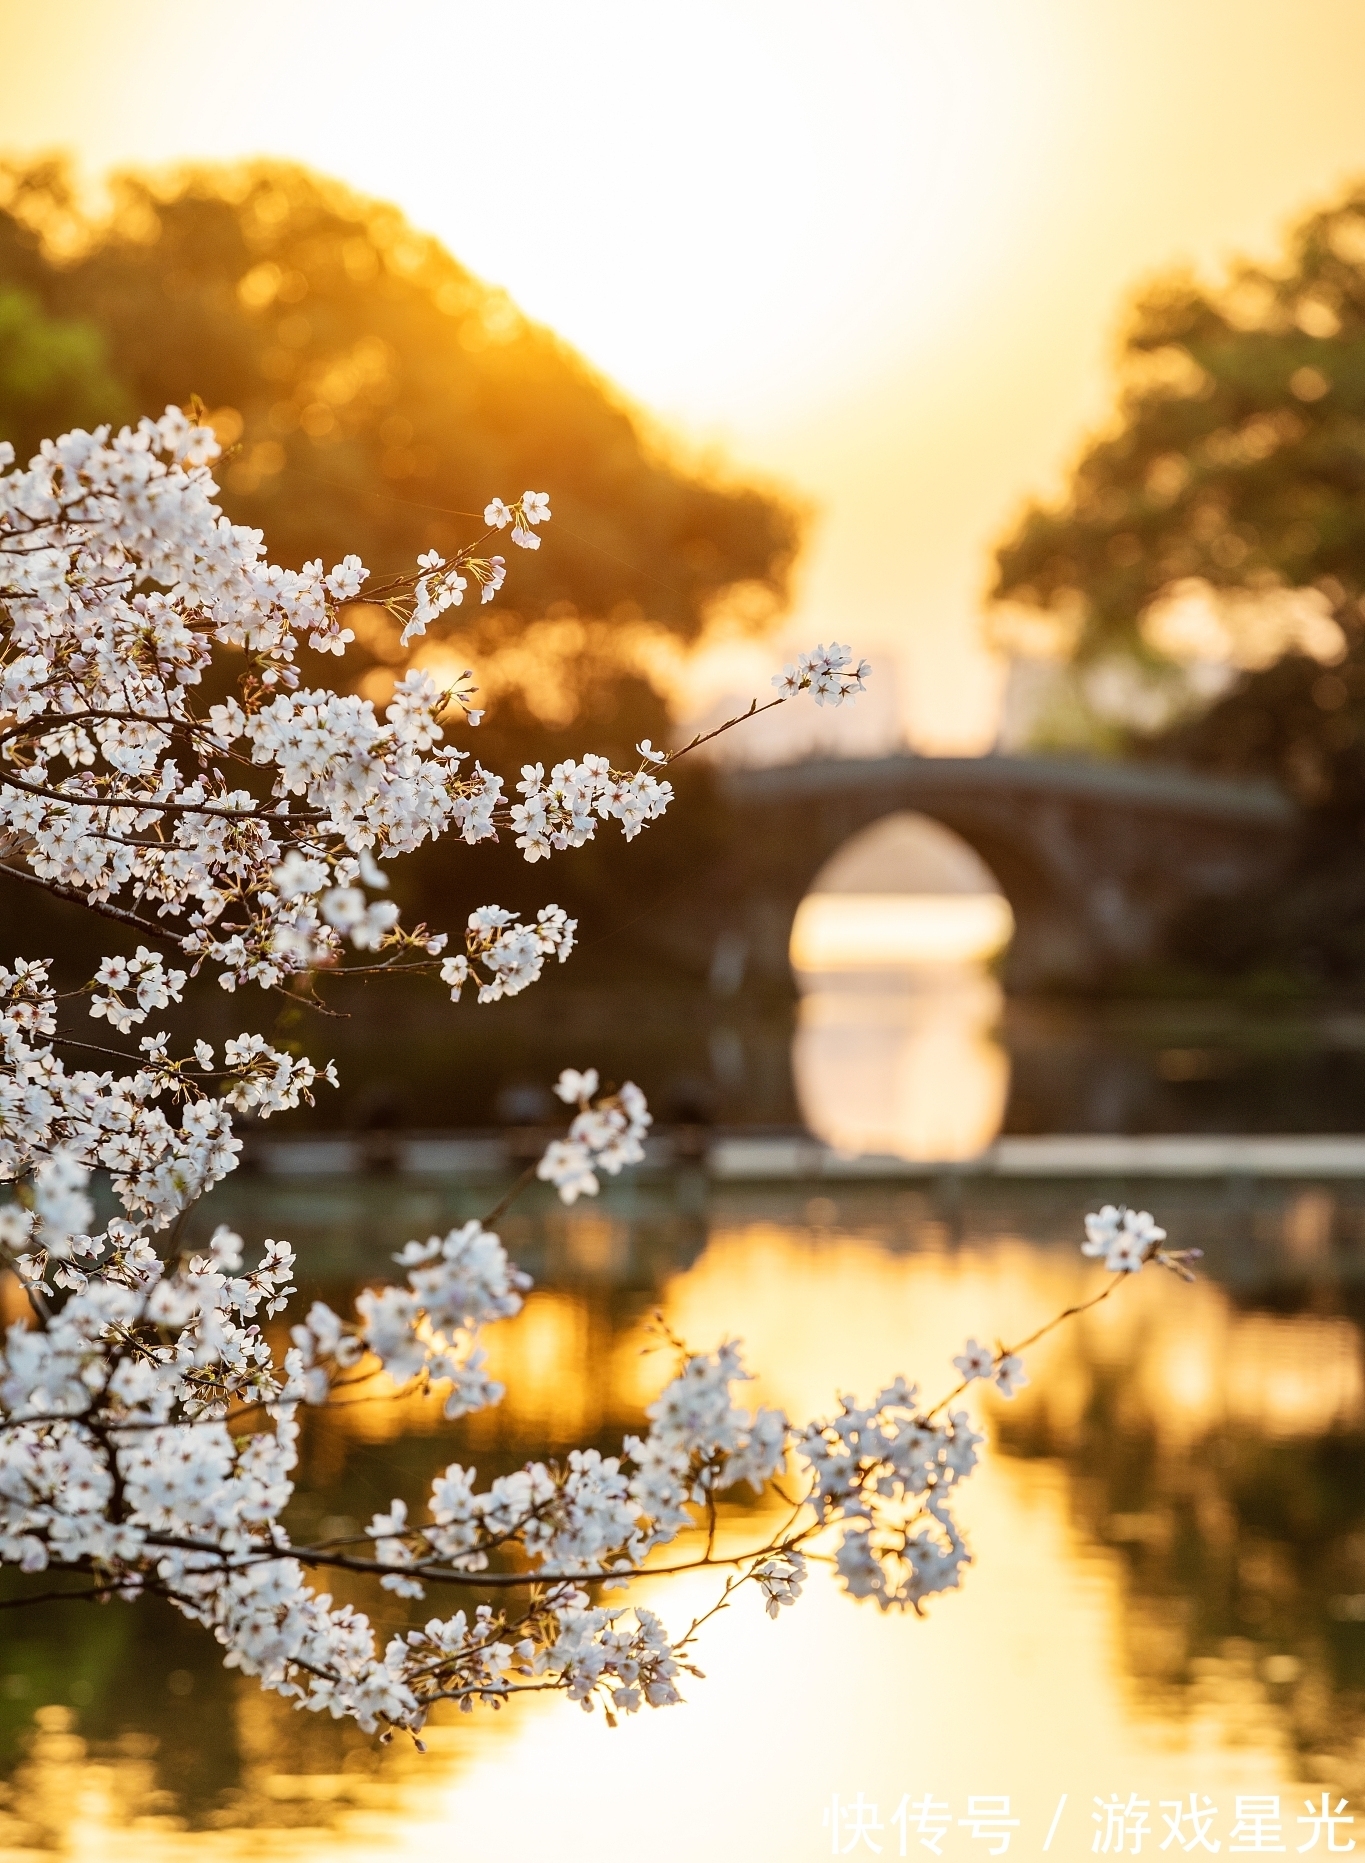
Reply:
x=878, y=253
x=848, y=931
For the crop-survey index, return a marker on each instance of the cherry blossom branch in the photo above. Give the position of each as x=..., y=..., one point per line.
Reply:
x=1007, y=1352
x=755, y=710
x=99, y=906
x=149, y=1428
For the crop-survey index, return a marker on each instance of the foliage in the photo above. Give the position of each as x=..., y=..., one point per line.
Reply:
x=371, y=389
x=1205, y=574
x=54, y=372
x=1238, y=457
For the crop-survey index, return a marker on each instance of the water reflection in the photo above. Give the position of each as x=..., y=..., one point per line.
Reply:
x=895, y=1051
x=905, y=1065
x=1168, y=1598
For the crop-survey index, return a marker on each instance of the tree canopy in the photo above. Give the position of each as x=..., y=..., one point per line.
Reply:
x=375, y=394
x=1230, y=490
x=1239, y=451
x=1225, y=510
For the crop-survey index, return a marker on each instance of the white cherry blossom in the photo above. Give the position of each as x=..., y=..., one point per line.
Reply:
x=827, y=672
x=603, y=1137
x=975, y=1361
x=1009, y=1374
x=1124, y=1239
x=149, y=1431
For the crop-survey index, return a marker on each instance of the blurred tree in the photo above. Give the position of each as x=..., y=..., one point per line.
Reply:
x=1226, y=512
x=1223, y=518
x=373, y=395
x=1239, y=453
x=54, y=372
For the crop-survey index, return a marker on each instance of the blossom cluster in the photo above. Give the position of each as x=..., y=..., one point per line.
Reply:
x=828, y=673
x=564, y=811
x=55, y=1121
x=248, y=830
x=1124, y=1240
x=606, y=1136
x=887, y=1471
x=144, y=975
x=1003, y=1369
x=503, y=956
x=149, y=1431
x=531, y=508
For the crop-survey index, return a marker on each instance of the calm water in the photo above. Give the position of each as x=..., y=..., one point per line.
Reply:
x=1170, y=1533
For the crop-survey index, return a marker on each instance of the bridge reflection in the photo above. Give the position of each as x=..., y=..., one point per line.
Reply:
x=909, y=1069
x=894, y=1050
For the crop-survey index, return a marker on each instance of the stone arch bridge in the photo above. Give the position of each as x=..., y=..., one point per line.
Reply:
x=1096, y=859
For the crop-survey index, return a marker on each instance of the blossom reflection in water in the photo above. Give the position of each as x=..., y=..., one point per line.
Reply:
x=894, y=1051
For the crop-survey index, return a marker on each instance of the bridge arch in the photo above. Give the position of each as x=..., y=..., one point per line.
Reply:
x=1096, y=860
x=903, y=891
x=895, y=1049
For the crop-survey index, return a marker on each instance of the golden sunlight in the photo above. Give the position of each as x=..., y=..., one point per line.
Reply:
x=894, y=1051
x=916, y=318
x=902, y=1071
x=860, y=931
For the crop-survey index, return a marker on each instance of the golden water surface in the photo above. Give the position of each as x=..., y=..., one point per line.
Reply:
x=1128, y=1626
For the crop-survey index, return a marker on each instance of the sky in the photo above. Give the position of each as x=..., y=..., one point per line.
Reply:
x=875, y=251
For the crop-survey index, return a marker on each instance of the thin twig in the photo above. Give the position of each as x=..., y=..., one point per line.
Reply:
x=1068, y=1313
x=94, y=905
x=504, y=1204
x=98, y=1596
x=704, y=737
